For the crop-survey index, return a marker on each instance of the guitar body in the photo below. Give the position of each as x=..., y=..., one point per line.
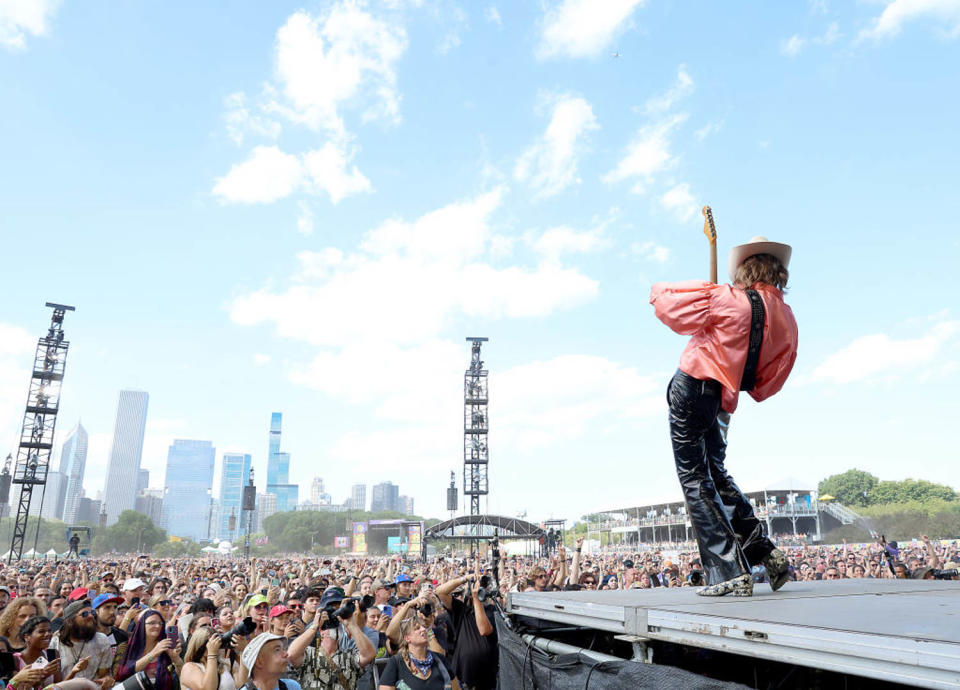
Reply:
x=710, y=230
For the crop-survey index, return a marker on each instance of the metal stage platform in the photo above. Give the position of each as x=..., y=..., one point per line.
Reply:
x=902, y=631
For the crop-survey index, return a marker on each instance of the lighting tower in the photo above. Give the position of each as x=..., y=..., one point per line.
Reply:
x=39, y=420
x=249, y=504
x=475, y=455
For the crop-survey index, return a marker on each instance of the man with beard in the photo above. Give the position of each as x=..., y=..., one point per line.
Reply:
x=80, y=645
x=105, y=614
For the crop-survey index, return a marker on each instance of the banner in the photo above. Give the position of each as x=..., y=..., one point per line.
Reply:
x=415, y=539
x=341, y=542
x=359, y=537
x=394, y=545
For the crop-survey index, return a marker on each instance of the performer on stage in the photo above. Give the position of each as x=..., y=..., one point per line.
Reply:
x=74, y=546
x=720, y=360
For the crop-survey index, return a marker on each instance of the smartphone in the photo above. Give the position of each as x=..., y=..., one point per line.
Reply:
x=173, y=635
x=387, y=610
x=275, y=582
x=263, y=591
x=135, y=601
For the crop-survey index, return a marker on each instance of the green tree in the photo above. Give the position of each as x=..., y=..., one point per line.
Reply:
x=910, y=490
x=177, y=549
x=852, y=488
x=133, y=532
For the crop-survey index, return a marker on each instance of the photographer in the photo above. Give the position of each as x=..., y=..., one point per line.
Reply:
x=205, y=666
x=475, y=656
x=323, y=663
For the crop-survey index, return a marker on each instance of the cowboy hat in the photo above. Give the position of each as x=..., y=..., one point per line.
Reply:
x=758, y=245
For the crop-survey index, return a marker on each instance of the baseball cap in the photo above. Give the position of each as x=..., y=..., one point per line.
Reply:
x=106, y=599
x=256, y=600
x=331, y=595
x=252, y=650
x=402, y=577
x=279, y=610
x=78, y=593
x=382, y=584
x=75, y=607
x=132, y=584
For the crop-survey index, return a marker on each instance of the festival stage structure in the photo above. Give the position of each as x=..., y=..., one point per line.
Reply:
x=899, y=631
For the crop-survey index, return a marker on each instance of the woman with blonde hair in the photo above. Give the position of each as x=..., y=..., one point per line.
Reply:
x=13, y=617
x=163, y=604
x=205, y=666
x=414, y=666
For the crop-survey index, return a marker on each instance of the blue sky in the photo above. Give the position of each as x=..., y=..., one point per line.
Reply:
x=307, y=207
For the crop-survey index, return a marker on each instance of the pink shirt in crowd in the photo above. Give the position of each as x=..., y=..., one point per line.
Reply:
x=718, y=318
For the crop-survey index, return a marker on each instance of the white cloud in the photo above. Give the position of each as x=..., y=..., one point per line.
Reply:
x=651, y=251
x=267, y=175
x=304, y=219
x=900, y=12
x=492, y=15
x=550, y=164
x=261, y=359
x=648, y=154
x=792, y=46
x=453, y=28
x=682, y=87
x=880, y=356
x=326, y=171
x=707, y=130
x=555, y=242
x=680, y=201
x=583, y=28
x=386, y=290
x=344, y=56
x=22, y=18
x=241, y=121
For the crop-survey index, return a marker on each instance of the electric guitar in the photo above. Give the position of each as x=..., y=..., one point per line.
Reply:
x=710, y=230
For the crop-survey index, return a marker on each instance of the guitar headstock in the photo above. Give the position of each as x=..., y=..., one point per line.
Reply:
x=709, y=229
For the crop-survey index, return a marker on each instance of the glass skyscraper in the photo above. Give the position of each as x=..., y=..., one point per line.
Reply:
x=120, y=493
x=278, y=469
x=233, y=475
x=187, y=488
x=73, y=463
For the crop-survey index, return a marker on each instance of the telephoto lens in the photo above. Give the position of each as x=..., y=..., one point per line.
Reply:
x=242, y=629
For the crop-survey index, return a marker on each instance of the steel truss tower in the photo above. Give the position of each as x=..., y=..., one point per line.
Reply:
x=39, y=420
x=475, y=451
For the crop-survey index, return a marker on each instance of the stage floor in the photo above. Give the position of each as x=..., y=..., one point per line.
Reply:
x=905, y=631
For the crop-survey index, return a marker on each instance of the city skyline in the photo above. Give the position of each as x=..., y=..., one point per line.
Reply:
x=126, y=449
x=188, y=488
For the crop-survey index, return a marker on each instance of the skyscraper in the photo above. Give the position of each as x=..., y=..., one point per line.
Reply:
x=54, y=495
x=385, y=496
x=120, y=493
x=233, y=475
x=143, y=480
x=266, y=506
x=188, y=484
x=358, y=497
x=73, y=462
x=316, y=490
x=278, y=470
x=405, y=505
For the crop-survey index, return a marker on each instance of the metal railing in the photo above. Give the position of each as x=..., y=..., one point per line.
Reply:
x=840, y=512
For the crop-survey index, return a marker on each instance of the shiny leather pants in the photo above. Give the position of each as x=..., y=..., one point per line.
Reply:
x=729, y=535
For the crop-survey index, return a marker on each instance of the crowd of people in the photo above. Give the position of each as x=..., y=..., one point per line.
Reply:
x=299, y=622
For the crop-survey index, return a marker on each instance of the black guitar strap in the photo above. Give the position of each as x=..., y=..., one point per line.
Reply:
x=757, y=317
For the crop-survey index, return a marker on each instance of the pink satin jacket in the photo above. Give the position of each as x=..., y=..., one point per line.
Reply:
x=718, y=318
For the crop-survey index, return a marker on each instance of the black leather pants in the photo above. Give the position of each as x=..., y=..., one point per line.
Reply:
x=728, y=533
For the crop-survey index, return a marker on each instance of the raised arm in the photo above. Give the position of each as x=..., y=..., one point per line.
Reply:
x=575, y=568
x=933, y=558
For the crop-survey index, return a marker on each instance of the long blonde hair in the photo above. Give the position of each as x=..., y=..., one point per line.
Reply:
x=198, y=642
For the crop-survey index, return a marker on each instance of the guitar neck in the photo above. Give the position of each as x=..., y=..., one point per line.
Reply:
x=713, y=263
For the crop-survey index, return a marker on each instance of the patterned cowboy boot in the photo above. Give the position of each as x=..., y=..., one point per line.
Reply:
x=778, y=568
x=741, y=586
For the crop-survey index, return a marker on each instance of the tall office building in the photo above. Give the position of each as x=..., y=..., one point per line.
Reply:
x=278, y=470
x=150, y=503
x=266, y=506
x=143, y=480
x=316, y=490
x=405, y=505
x=234, y=473
x=120, y=493
x=385, y=496
x=358, y=497
x=54, y=495
x=187, y=487
x=73, y=463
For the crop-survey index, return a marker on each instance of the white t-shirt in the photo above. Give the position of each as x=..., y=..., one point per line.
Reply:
x=98, y=649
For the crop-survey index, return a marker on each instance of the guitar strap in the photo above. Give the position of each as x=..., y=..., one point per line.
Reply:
x=757, y=318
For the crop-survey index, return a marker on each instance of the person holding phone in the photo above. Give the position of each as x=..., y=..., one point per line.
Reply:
x=37, y=635
x=152, y=652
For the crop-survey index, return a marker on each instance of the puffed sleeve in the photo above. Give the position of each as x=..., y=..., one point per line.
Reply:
x=684, y=306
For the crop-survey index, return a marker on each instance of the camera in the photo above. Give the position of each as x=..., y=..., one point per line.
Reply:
x=945, y=574
x=138, y=681
x=695, y=578
x=243, y=628
x=335, y=614
x=425, y=609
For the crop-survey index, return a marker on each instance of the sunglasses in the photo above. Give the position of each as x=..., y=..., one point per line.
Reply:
x=85, y=614
x=295, y=607
x=165, y=602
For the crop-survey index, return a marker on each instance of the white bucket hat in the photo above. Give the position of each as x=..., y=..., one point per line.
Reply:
x=758, y=245
x=250, y=653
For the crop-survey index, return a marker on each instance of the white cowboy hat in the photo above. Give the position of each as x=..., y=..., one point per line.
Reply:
x=759, y=245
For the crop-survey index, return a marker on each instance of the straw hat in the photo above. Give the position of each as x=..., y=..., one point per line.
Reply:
x=758, y=245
